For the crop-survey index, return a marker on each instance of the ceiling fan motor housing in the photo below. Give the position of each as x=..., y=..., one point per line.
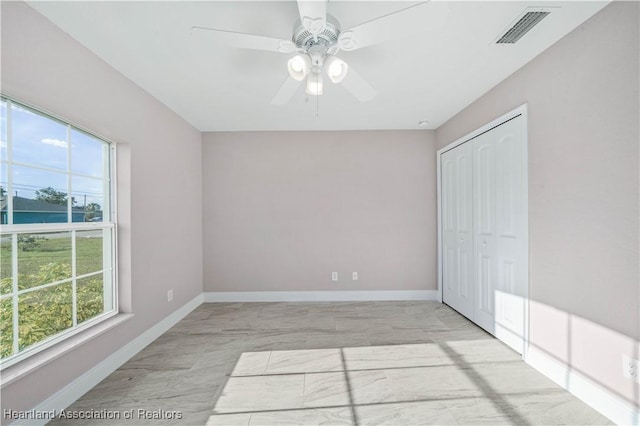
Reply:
x=303, y=39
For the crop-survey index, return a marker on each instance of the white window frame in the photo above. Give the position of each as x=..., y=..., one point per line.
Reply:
x=71, y=227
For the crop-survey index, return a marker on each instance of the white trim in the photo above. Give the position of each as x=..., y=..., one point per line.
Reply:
x=74, y=281
x=55, y=227
x=69, y=179
x=523, y=111
x=113, y=218
x=319, y=296
x=593, y=394
x=14, y=294
x=55, y=346
x=525, y=114
x=74, y=390
x=439, y=219
x=9, y=162
x=41, y=111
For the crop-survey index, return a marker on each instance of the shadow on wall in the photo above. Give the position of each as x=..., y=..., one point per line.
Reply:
x=577, y=353
x=585, y=347
x=565, y=343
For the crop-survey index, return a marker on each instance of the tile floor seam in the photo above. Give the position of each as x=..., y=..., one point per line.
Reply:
x=266, y=366
x=304, y=388
x=354, y=415
x=453, y=364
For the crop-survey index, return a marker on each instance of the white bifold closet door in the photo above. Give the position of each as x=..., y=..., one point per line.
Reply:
x=495, y=168
x=457, y=227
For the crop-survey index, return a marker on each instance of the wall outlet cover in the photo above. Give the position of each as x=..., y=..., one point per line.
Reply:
x=631, y=368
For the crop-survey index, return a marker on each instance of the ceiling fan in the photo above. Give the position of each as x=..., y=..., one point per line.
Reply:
x=317, y=38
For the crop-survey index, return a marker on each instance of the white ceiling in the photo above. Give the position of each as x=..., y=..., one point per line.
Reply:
x=431, y=70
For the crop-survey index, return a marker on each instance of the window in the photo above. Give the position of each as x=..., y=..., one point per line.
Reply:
x=57, y=231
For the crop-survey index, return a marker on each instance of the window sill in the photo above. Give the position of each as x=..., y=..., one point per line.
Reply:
x=14, y=372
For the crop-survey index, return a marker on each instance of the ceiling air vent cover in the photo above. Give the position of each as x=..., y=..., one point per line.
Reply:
x=529, y=20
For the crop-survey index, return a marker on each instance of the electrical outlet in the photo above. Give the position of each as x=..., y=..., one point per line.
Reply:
x=630, y=368
x=355, y=276
x=169, y=295
x=334, y=276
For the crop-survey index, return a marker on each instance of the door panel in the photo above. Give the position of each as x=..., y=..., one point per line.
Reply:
x=448, y=181
x=484, y=225
x=457, y=236
x=483, y=179
x=511, y=236
x=449, y=276
x=466, y=289
x=500, y=226
x=464, y=200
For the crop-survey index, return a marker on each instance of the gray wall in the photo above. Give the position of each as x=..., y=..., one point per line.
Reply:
x=159, y=175
x=582, y=95
x=282, y=210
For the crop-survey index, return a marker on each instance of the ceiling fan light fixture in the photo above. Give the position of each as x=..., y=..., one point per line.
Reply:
x=336, y=69
x=299, y=67
x=314, y=84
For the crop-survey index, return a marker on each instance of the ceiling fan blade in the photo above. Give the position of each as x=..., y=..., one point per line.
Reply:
x=313, y=15
x=358, y=86
x=247, y=41
x=286, y=91
x=395, y=25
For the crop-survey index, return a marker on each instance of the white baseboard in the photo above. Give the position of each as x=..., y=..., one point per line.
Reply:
x=600, y=399
x=74, y=390
x=319, y=296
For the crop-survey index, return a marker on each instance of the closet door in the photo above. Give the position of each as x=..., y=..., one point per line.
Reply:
x=484, y=226
x=457, y=224
x=512, y=252
x=500, y=231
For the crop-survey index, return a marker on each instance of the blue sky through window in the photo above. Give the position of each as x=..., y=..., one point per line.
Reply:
x=87, y=155
x=38, y=140
x=40, y=155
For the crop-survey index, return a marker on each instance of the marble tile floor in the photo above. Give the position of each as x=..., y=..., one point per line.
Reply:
x=367, y=363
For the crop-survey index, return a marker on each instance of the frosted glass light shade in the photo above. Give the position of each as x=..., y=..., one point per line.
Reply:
x=336, y=69
x=299, y=67
x=314, y=84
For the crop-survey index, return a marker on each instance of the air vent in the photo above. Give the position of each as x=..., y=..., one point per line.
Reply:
x=524, y=24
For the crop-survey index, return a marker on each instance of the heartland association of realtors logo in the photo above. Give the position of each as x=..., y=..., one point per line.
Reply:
x=137, y=414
